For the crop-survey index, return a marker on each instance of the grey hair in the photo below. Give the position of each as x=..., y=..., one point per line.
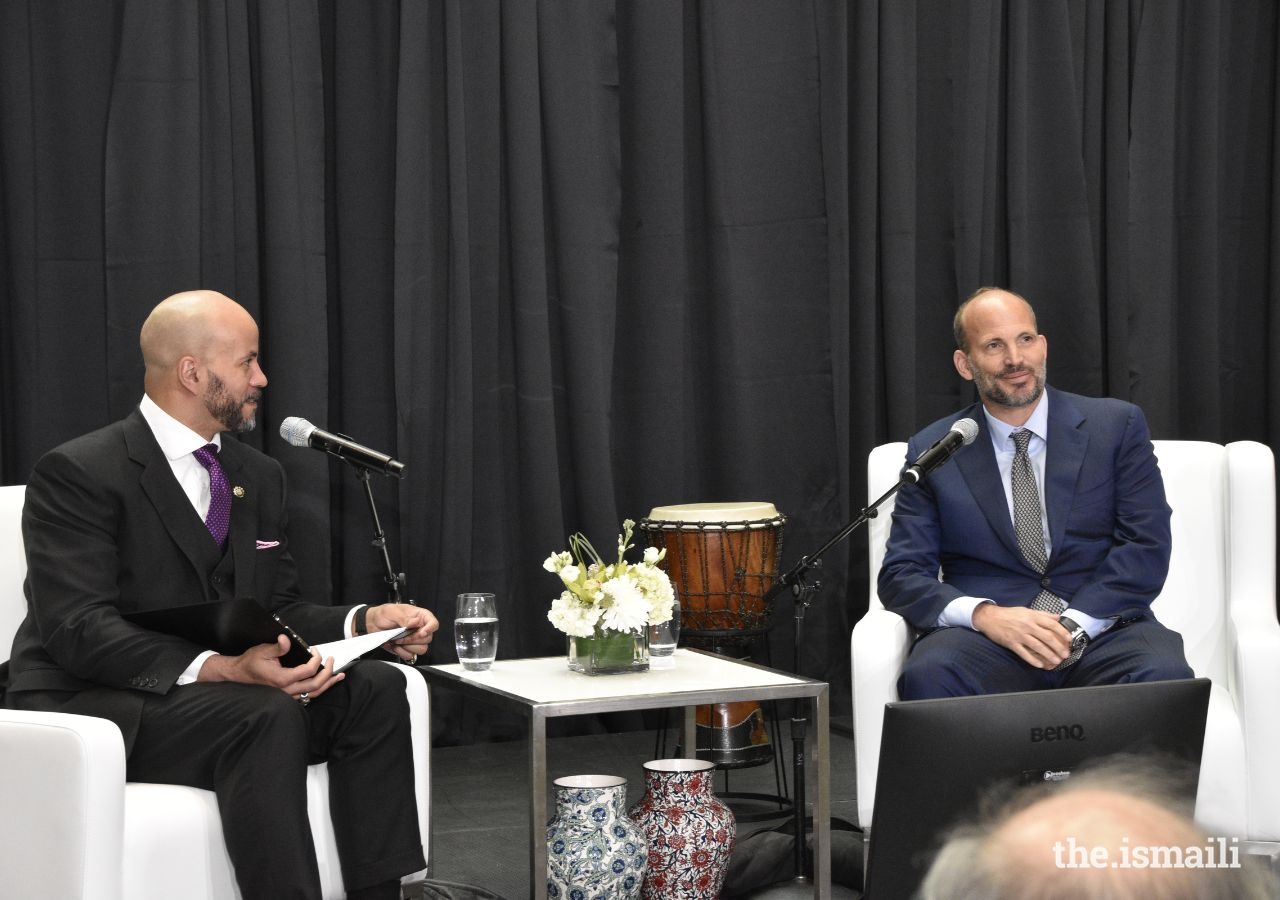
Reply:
x=974, y=864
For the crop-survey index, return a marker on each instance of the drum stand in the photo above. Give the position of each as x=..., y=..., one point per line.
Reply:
x=797, y=579
x=784, y=805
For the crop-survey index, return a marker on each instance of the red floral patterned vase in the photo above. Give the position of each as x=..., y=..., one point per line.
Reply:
x=691, y=833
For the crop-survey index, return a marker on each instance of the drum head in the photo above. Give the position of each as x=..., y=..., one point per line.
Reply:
x=744, y=511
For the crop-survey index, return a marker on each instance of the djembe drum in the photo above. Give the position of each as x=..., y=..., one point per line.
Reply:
x=722, y=558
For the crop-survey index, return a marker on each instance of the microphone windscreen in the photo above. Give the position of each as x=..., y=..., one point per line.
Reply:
x=968, y=430
x=297, y=431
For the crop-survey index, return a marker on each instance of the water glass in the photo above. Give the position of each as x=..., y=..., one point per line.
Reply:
x=664, y=636
x=475, y=630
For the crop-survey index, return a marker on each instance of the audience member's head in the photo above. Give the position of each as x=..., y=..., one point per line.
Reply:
x=1117, y=831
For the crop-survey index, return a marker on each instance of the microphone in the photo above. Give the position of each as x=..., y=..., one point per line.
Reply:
x=961, y=434
x=302, y=433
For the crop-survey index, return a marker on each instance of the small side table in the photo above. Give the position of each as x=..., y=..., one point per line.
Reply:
x=542, y=688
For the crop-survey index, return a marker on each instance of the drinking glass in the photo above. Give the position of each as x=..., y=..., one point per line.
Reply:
x=663, y=638
x=475, y=630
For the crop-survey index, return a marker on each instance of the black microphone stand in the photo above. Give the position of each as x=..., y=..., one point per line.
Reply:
x=395, y=580
x=797, y=579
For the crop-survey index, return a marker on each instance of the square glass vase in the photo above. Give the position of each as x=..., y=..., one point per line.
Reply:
x=610, y=652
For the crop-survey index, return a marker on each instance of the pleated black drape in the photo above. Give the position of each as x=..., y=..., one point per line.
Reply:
x=614, y=283
x=1113, y=161
x=571, y=260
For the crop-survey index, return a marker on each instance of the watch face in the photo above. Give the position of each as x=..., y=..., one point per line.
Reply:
x=1079, y=637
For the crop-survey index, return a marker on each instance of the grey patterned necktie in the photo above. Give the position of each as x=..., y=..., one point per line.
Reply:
x=1028, y=526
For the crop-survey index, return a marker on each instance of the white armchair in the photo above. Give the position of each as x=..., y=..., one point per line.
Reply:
x=73, y=828
x=1220, y=596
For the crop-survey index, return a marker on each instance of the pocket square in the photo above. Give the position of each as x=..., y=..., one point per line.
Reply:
x=267, y=545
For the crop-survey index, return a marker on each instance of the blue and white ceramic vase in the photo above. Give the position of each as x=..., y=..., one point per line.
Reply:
x=691, y=832
x=594, y=852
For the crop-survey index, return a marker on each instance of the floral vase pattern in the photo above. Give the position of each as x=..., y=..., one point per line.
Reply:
x=691, y=833
x=610, y=652
x=594, y=852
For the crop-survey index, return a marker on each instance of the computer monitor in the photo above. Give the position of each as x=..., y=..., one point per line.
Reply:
x=939, y=757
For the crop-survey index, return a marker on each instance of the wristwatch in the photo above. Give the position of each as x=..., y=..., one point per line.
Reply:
x=1079, y=640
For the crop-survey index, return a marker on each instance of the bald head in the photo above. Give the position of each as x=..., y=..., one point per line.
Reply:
x=1064, y=837
x=986, y=300
x=1122, y=831
x=184, y=325
x=200, y=349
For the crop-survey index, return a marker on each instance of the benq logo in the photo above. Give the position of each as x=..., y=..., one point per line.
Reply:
x=1057, y=733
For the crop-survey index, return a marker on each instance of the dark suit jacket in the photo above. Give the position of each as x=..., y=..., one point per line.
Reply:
x=108, y=530
x=1108, y=519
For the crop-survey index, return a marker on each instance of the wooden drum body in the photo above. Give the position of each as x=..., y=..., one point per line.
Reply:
x=722, y=559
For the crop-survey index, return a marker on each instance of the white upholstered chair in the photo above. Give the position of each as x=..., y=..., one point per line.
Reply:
x=73, y=828
x=1220, y=596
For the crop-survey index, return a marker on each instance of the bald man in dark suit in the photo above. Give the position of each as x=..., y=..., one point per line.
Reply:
x=126, y=519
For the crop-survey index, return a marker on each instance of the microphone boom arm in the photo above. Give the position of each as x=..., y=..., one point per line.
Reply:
x=796, y=577
x=961, y=434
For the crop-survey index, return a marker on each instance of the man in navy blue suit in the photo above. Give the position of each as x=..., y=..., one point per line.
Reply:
x=996, y=613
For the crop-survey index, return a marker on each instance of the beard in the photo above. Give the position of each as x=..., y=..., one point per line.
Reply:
x=990, y=390
x=228, y=410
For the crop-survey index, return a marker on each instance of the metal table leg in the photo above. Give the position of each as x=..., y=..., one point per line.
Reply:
x=538, y=805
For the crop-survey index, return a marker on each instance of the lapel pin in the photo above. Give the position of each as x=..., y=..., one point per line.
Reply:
x=238, y=491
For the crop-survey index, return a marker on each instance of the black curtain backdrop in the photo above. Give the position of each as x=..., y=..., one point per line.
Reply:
x=571, y=260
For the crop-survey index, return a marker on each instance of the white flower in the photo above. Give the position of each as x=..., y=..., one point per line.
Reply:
x=573, y=617
x=557, y=561
x=569, y=574
x=626, y=607
x=656, y=587
x=618, y=596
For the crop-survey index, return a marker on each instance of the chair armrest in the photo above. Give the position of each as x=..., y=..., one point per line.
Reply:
x=1253, y=634
x=418, y=697
x=1254, y=653
x=62, y=780
x=420, y=724
x=877, y=652
x=1251, y=527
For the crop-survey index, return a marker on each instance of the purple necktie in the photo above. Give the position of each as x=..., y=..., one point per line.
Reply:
x=218, y=520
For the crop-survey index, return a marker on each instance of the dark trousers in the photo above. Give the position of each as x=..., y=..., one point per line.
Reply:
x=956, y=662
x=251, y=746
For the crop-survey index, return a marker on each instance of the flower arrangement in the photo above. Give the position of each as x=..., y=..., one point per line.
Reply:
x=618, y=596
